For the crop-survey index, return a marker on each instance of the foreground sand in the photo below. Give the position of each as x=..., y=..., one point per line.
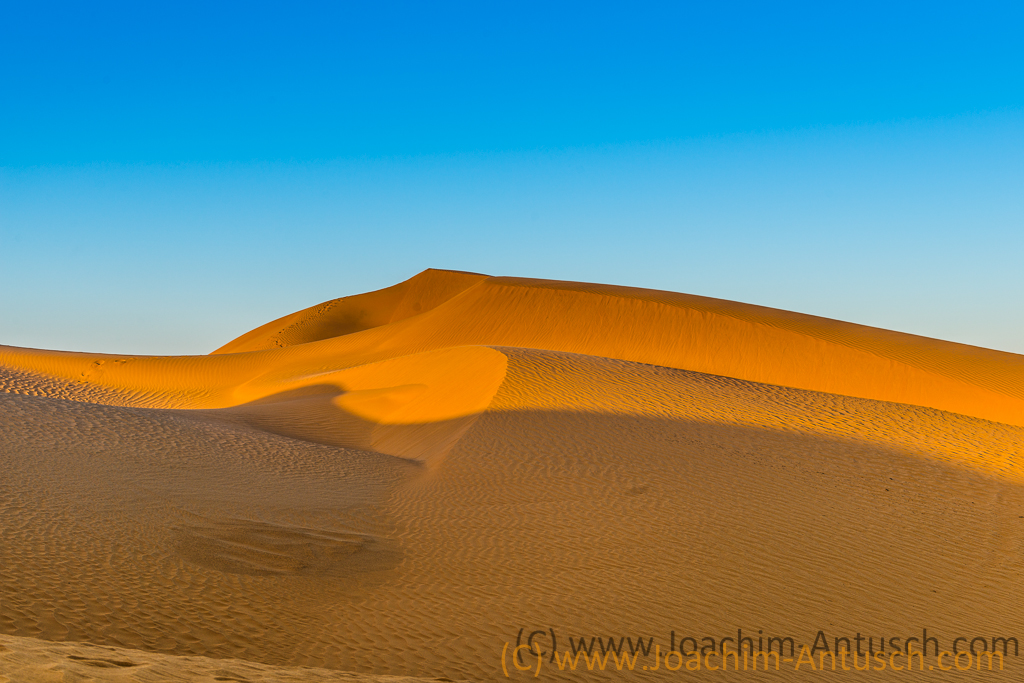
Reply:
x=29, y=660
x=405, y=481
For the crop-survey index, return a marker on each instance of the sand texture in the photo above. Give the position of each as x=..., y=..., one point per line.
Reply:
x=405, y=481
x=29, y=660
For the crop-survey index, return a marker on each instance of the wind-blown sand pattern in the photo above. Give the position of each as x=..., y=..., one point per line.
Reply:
x=398, y=482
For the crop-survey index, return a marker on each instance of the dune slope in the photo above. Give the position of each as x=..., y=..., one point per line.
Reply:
x=356, y=313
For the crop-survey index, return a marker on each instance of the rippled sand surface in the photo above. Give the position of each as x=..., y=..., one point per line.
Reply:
x=29, y=660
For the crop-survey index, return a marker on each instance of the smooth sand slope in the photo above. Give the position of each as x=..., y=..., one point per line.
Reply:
x=399, y=482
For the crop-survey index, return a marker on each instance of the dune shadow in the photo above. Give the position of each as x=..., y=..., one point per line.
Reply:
x=238, y=546
x=312, y=413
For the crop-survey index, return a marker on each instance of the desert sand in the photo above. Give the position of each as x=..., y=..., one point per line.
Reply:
x=31, y=659
x=407, y=482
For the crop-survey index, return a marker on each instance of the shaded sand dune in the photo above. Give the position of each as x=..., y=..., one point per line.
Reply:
x=405, y=481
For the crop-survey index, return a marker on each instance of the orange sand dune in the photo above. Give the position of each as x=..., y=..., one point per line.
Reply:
x=460, y=309
x=357, y=313
x=403, y=482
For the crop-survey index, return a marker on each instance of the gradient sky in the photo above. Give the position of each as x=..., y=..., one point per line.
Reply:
x=172, y=175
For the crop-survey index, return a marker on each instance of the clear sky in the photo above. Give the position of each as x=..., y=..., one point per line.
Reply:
x=174, y=174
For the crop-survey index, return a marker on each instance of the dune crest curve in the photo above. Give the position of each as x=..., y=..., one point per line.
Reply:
x=438, y=310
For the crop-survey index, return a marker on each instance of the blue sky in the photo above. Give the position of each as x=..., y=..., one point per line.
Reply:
x=174, y=175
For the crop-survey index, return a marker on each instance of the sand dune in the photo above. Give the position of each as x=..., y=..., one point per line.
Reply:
x=403, y=482
x=351, y=314
x=660, y=328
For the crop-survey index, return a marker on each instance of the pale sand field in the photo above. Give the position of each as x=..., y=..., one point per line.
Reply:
x=399, y=482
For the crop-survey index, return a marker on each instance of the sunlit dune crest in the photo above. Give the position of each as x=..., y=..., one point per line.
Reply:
x=373, y=483
x=442, y=309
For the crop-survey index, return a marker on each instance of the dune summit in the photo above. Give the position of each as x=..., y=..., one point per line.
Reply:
x=402, y=482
